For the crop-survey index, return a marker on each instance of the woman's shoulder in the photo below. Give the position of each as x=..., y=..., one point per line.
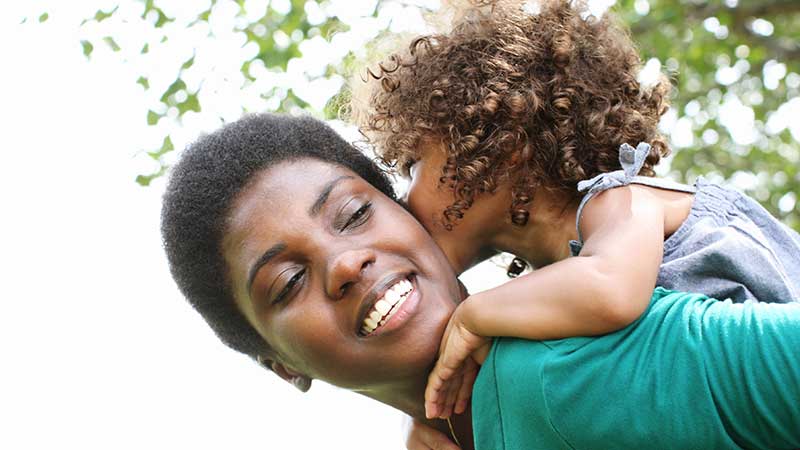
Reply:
x=509, y=409
x=660, y=380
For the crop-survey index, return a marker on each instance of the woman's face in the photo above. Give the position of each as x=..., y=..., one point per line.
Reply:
x=317, y=256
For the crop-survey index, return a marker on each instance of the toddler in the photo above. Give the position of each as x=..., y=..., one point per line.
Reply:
x=514, y=128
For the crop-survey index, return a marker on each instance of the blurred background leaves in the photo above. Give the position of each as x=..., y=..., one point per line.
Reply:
x=735, y=65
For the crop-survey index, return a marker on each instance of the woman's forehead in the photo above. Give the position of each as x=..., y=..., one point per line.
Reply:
x=277, y=190
x=281, y=201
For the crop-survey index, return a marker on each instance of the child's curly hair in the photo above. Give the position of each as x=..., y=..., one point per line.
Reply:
x=536, y=99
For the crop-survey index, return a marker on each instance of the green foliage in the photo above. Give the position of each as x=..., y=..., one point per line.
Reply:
x=716, y=52
x=161, y=18
x=157, y=155
x=111, y=43
x=145, y=180
x=87, y=48
x=152, y=117
x=100, y=16
x=276, y=34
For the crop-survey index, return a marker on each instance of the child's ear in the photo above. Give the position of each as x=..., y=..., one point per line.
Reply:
x=296, y=379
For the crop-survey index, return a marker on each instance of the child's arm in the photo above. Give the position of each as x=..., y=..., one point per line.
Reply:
x=604, y=289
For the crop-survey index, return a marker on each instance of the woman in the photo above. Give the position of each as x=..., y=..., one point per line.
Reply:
x=288, y=242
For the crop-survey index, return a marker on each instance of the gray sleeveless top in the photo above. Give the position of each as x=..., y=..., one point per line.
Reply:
x=728, y=247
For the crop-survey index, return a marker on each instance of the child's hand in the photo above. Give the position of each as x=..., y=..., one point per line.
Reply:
x=422, y=437
x=450, y=383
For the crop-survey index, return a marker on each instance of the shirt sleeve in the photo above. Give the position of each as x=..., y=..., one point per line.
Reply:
x=752, y=353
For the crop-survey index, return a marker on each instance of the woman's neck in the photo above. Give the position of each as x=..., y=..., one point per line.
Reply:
x=545, y=238
x=461, y=425
x=411, y=399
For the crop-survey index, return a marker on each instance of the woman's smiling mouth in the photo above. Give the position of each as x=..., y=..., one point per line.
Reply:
x=387, y=306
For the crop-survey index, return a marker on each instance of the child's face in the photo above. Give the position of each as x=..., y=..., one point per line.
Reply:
x=470, y=239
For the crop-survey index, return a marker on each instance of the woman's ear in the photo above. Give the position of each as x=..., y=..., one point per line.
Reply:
x=296, y=379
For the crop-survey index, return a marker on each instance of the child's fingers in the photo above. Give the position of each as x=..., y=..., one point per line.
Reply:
x=439, y=402
x=445, y=380
x=431, y=410
x=438, y=380
x=448, y=334
x=435, y=393
x=432, y=401
x=465, y=390
x=441, y=376
x=452, y=394
x=441, y=394
x=431, y=407
x=449, y=364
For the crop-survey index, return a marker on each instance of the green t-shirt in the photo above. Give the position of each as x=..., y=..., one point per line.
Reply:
x=692, y=372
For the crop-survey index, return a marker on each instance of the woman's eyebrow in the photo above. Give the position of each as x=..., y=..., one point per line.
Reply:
x=272, y=252
x=325, y=193
x=276, y=249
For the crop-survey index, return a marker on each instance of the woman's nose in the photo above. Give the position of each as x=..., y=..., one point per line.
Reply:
x=346, y=270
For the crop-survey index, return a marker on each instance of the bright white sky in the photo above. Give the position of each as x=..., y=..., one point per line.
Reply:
x=99, y=349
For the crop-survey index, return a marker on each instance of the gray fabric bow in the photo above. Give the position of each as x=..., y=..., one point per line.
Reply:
x=631, y=159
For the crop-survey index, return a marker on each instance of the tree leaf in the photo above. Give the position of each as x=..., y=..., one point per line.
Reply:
x=101, y=15
x=161, y=19
x=145, y=180
x=166, y=147
x=144, y=82
x=189, y=62
x=87, y=48
x=176, y=86
x=43, y=17
x=192, y=103
x=111, y=43
x=152, y=117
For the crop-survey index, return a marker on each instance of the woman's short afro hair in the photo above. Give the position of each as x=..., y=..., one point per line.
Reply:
x=202, y=188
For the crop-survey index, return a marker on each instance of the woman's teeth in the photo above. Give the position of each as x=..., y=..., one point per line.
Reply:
x=386, y=306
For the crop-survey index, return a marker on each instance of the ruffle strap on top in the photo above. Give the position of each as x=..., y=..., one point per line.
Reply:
x=631, y=159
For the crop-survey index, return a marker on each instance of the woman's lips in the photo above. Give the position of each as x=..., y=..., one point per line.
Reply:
x=385, y=306
x=397, y=314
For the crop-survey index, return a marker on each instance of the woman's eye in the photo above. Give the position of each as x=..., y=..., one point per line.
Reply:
x=284, y=293
x=359, y=217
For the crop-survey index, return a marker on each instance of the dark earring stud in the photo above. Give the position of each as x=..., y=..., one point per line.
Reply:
x=520, y=217
x=516, y=267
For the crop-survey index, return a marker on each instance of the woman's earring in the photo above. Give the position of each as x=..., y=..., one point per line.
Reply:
x=516, y=267
x=302, y=383
x=298, y=380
